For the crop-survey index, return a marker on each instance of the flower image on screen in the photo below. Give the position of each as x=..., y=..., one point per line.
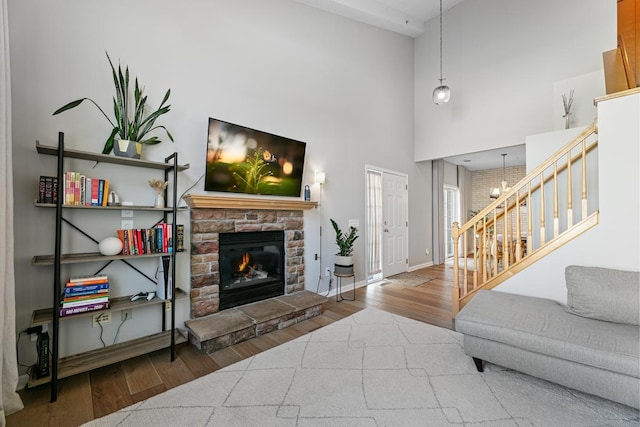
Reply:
x=244, y=160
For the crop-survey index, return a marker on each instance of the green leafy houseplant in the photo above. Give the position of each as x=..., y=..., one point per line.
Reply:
x=130, y=123
x=345, y=241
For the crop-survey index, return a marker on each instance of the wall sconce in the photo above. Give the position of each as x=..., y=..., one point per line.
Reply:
x=319, y=177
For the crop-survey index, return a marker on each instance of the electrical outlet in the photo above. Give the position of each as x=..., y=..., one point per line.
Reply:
x=327, y=272
x=126, y=315
x=427, y=251
x=167, y=305
x=103, y=317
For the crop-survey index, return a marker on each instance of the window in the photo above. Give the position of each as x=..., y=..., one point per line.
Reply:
x=451, y=215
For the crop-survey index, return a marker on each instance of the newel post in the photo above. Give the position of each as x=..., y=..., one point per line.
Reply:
x=455, y=295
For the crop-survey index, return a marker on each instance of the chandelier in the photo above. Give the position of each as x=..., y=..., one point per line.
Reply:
x=495, y=192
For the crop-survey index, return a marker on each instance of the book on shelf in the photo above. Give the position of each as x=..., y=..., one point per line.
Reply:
x=88, y=280
x=94, y=191
x=100, y=293
x=68, y=311
x=86, y=289
x=90, y=301
x=47, y=189
x=140, y=241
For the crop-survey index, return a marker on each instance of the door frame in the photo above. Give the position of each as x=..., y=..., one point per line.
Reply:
x=382, y=171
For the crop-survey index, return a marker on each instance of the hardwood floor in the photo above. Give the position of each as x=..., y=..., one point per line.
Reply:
x=94, y=394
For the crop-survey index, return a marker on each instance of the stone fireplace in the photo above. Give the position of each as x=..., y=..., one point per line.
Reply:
x=215, y=221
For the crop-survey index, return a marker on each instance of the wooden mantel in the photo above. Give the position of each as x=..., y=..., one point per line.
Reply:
x=205, y=201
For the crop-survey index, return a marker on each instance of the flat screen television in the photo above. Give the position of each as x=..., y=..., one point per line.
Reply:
x=244, y=160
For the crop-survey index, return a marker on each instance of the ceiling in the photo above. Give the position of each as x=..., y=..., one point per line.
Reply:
x=408, y=17
x=491, y=159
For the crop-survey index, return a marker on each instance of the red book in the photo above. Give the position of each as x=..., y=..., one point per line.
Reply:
x=94, y=191
x=139, y=242
x=164, y=237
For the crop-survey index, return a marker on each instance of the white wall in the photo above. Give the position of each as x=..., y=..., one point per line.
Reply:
x=615, y=241
x=343, y=87
x=501, y=60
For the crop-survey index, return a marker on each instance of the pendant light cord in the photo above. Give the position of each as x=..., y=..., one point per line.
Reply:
x=441, y=43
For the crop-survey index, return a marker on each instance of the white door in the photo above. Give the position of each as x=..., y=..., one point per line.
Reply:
x=395, y=225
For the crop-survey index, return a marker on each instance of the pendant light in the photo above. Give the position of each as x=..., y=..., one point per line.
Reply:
x=442, y=93
x=496, y=192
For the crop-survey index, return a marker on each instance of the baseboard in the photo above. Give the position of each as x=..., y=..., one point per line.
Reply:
x=420, y=266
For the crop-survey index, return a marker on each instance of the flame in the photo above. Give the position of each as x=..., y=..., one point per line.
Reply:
x=244, y=262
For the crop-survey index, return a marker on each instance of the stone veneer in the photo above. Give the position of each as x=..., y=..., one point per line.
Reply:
x=207, y=223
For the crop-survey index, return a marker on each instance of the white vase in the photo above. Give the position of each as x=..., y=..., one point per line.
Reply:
x=159, y=203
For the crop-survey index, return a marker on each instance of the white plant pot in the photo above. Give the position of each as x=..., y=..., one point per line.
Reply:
x=343, y=264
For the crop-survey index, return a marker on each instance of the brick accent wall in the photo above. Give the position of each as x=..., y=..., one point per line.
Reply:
x=206, y=224
x=484, y=180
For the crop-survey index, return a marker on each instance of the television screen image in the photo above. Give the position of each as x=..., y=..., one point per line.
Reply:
x=244, y=160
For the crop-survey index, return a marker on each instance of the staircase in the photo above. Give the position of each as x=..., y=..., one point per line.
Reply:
x=549, y=207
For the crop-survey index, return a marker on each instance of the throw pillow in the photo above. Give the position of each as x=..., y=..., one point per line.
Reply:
x=603, y=294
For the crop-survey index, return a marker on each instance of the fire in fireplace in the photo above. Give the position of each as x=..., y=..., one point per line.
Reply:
x=251, y=267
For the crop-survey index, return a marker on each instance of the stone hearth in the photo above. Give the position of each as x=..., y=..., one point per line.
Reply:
x=234, y=325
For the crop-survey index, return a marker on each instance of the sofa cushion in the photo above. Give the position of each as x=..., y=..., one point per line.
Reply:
x=543, y=326
x=603, y=294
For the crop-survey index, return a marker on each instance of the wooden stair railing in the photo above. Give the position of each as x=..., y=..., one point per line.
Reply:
x=528, y=221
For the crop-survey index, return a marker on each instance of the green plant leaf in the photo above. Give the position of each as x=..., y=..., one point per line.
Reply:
x=108, y=146
x=72, y=104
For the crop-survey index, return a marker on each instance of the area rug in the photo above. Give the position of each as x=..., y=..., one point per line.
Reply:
x=370, y=369
x=408, y=279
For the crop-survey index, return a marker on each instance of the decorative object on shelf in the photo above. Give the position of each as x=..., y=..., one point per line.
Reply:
x=307, y=193
x=130, y=124
x=344, y=257
x=496, y=191
x=159, y=186
x=567, y=103
x=127, y=148
x=442, y=93
x=110, y=246
x=114, y=199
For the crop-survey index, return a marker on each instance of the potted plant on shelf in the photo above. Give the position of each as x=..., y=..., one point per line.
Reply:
x=344, y=257
x=132, y=123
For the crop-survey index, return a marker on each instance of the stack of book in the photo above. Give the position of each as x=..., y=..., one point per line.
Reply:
x=83, y=190
x=140, y=241
x=85, y=294
x=48, y=189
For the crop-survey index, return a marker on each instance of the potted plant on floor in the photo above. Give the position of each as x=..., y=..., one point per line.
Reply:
x=132, y=123
x=344, y=258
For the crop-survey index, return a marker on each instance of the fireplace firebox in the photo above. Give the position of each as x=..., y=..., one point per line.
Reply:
x=251, y=267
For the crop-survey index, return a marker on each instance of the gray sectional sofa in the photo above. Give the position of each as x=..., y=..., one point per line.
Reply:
x=592, y=344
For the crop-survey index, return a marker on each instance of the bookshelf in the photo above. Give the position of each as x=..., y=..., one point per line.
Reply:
x=168, y=336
